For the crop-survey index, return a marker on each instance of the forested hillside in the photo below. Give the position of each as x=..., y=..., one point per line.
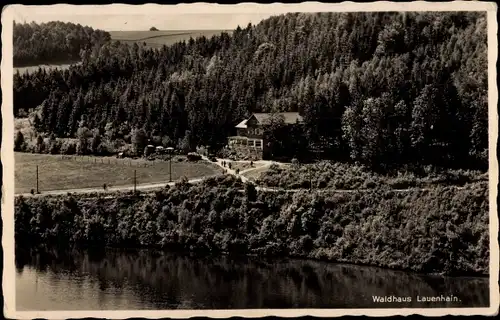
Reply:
x=377, y=88
x=53, y=42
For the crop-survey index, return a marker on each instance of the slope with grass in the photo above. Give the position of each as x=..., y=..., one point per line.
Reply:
x=58, y=173
x=156, y=39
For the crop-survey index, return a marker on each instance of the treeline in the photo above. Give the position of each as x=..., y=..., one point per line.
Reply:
x=88, y=142
x=53, y=42
x=377, y=88
x=440, y=231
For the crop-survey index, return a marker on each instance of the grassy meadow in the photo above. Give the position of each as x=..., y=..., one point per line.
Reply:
x=156, y=39
x=262, y=171
x=245, y=166
x=58, y=173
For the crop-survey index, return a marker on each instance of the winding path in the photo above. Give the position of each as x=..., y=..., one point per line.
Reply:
x=266, y=163
x=143, y=187
x=261, y=163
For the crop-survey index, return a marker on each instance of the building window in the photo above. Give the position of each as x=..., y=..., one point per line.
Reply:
x=258, y=143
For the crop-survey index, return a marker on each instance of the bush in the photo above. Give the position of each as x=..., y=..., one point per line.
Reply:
x=441, y=230
x=19, y=144
x=192, y=156
x=68, y=148
x=350, y=177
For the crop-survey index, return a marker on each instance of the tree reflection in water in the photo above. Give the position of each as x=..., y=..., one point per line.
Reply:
x=172, y=281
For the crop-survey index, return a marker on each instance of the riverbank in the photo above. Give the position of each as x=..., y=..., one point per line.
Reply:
x=153, y=279
x=444, y=230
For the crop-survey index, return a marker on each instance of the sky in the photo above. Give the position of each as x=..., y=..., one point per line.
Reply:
x=202, y=16
x=161, y=22
x=143, y=17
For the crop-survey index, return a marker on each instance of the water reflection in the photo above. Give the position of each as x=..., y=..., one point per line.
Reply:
x=112, y=279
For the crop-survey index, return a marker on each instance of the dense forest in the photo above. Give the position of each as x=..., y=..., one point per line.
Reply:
x=444, y=230
x=375, y=88
x=53, y=42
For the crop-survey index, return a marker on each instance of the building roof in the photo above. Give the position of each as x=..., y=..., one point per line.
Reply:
x=290, y=117
x=242, y=124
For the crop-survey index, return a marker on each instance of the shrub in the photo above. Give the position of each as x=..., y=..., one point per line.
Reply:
x=350, y=177
x=19, y=144
x=68, y=148
x=192, y=156
x=441, y=230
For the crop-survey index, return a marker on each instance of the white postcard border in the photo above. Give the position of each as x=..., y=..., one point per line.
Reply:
x=13, y=12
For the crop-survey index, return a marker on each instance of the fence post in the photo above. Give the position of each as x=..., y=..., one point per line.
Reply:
x=135, y=180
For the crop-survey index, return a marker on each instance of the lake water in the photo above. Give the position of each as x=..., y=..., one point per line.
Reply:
x=144, y=279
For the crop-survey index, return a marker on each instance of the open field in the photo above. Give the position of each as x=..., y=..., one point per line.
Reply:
x=244, y=165
x=58, y=173
x=156, y=39
x=255, y=174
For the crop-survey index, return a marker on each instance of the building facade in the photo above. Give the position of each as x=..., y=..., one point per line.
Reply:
x=250, y=139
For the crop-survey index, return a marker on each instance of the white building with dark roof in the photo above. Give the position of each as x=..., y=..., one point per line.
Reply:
x=250, y=132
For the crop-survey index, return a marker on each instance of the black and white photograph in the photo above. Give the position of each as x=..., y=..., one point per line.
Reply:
x=249, y=159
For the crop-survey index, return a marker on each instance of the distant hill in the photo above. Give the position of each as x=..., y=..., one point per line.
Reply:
x=59, y=43
x=156, y=39
x=53, y=42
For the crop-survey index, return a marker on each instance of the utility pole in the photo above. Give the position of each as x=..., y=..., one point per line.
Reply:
x=170, y=167
x=170, y=152
x=37, y=180
x=135, y=180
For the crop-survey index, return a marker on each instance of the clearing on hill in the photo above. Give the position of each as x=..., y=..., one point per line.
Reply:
x=156, y=39
x=56, y=172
